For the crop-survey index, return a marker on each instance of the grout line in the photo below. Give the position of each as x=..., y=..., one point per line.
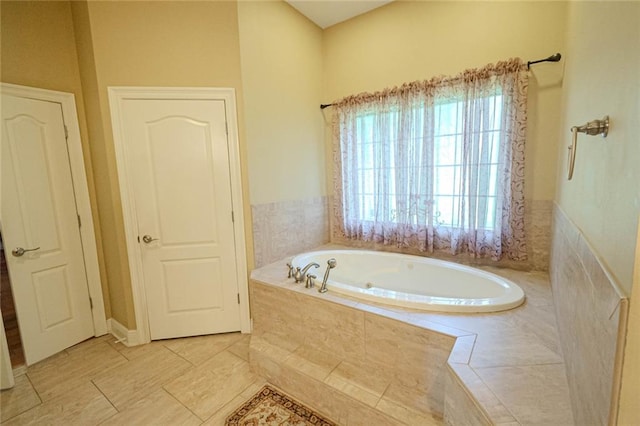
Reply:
x=491, y=367
x=181, y=404
x=30, y=408
x=105, y=396
x=496, y=397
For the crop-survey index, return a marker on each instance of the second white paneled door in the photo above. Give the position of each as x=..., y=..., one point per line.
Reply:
x=40, y=226
x=178, y=165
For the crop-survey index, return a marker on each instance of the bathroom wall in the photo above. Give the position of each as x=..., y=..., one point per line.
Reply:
x=628, y=412
x=38, y=50
x=281, y=53
x=407, y=41
x=596, y=216
x=84, y=47
x=178, y=43
x=603, y=198
x=591, y=312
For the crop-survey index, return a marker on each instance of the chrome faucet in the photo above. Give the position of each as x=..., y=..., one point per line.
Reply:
x=331, y=263
x=301, y=275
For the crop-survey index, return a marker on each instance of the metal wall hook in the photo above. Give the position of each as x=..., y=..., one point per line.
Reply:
x=593, y=128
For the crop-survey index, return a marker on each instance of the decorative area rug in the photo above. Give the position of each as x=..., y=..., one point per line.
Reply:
x=270, y=407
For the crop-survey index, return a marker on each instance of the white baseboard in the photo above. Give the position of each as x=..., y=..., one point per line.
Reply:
x=121, y=333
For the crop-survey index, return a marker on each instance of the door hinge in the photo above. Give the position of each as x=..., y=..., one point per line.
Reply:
x=66, y=132
x=79, y=221
x=91, y=303
x=238, y=298
x=233, y=219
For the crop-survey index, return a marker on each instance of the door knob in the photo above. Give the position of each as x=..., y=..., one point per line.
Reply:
x=147, y=239
x=19, y=251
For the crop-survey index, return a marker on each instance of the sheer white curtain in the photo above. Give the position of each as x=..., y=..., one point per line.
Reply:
x=437, y=164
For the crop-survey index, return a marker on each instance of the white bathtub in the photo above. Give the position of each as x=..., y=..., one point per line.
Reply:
x=413, y=281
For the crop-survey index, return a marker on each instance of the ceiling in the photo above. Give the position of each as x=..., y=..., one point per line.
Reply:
x=326, y=13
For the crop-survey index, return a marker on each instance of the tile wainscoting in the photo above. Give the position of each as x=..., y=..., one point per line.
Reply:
x=286, y=228
x=592, y=315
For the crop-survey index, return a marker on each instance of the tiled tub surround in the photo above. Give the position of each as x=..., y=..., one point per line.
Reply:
x=361, y=363
x=537, y=220
x=289, y=227
x=592, y=317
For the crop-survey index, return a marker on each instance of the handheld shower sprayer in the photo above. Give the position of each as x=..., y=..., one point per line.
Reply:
x=331, y=263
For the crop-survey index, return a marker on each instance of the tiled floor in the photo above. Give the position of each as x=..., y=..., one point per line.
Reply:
x=190, y=381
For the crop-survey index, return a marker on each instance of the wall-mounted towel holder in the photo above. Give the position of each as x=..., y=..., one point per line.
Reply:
x=593, y=128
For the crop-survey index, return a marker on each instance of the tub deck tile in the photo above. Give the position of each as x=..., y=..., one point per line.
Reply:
x=521, y=389
x=355, y=380
x=406, y=414
x=507, y=363
x=516, y=348
x=313, y=362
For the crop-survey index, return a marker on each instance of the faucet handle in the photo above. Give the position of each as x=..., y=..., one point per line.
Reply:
x=290, y=274
x=310, y=281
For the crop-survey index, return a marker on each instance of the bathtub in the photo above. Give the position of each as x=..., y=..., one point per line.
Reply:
x=413, y=281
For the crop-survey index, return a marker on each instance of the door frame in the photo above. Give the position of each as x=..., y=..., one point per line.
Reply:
x=118, y=94
x=80, y=190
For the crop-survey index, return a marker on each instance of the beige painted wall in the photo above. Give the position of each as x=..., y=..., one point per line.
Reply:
x=407, y=41
x=601, y=78
x=629, y=413
x=281, y=54
x=177, y=43
x=603, y=198
x=38, y=50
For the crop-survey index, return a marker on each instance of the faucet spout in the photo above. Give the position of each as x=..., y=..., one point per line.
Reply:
x=300, y=275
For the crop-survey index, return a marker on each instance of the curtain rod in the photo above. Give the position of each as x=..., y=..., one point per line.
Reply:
x=553, y=58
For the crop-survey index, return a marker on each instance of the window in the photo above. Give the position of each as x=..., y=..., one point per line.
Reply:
x=435, y=165
x=443, y=171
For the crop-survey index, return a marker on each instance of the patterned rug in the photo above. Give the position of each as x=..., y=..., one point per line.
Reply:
x=270, y=407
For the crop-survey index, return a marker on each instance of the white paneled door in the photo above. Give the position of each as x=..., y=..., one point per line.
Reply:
x=40, y=228
x=178, y=169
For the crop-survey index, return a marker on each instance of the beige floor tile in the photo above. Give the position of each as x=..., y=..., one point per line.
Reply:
x=158, y=408
x=133, y=352
x=83, y=405
x=138, y=378
x=241, y=347
x=89, y=343
x=72, y=368
x=201, y=348
x=18, y=399
x=221, y=415
x=207, y=388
